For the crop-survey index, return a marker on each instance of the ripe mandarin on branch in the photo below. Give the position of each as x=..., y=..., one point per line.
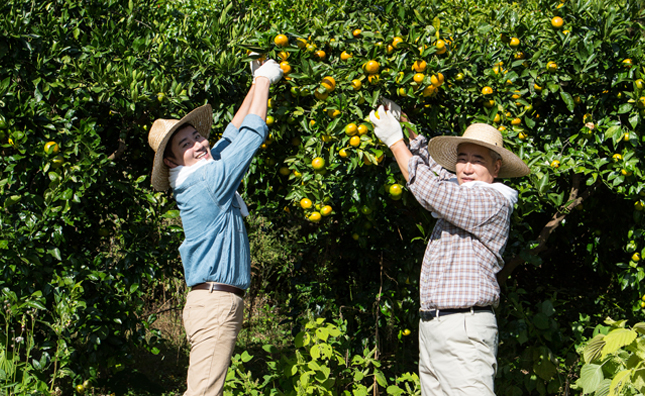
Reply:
x=281, y=40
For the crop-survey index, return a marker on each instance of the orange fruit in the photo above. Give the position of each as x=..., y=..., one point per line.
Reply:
x=321, y=96
x=628, y=63
x=418, y=78
x=516, y=95
x=522, y=135
x=270, y=120
x=555, y=164
x=301, y=43
x=373, y=78
x=362, y=129
x=557, y=22
x=284, y=171
x=314, y=217
x=372, y=67
x=389, y=49
x=537, y=87
x=355, y=141
x=437, y=79
x=459, y=76
x=640, y=84
x=326, y=210
x=617, y=157
x=515, y=42
x=351, y=129
x=551, y=66
x=356, y=84
x=283, y=55
x=311, y=47
x=343, y=153
x=440, y=44
x=329, y=83
x=395, y=190
x=333, y=113
x=281, y=40
x=519, y=55
x=516, y=121
x=321, y=54
x=497, y=118
x=489, y=103
x=51, y=148
x=429, y=90
x=345, y=55
x=286, y=68
x=396, y=41
x=487, y=90
x=419, y=66
x=318, y=163
x=305, y=203
x=501, y=128
x=356, y=32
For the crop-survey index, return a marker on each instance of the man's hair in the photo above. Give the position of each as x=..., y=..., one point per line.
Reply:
x=495, y=155
x=168, y=151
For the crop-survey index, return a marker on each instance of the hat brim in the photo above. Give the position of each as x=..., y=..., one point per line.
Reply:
x=443, y=149
x=201, y=119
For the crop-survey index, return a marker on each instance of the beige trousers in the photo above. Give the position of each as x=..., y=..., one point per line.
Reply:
x=212, y=321
x=458, y=354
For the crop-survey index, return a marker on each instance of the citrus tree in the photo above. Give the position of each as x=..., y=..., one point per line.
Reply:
x=84, y=237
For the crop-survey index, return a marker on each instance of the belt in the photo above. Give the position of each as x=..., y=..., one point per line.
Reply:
x=211, y=287
x=433, y=313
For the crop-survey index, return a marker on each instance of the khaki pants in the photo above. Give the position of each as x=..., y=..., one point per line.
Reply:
x=212, y=321
x=458, y=354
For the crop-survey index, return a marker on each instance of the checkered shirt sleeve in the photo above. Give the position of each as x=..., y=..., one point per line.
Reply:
x=466, y=246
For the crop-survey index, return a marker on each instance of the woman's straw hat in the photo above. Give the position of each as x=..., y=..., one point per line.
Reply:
x=443, y=149
x=162, y=130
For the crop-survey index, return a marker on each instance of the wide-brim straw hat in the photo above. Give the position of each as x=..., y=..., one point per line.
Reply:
x=443, y=149
x=162, y=130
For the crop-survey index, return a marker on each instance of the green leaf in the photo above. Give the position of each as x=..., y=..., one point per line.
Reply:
x=590, y=377
x=543, y=183
x=568, y=100
x=246, y=357
x=593, y=350
x=322, y=333
x=618, y=382
x=625, y=108
x=380, y=378
x=315, y=352
x=617, y=339
x=394, y=390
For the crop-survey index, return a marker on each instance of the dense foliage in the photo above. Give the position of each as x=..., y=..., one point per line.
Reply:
x=85, y=241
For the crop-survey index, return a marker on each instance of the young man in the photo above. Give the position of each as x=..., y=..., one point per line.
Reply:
x=215, y=253
x=458, y=329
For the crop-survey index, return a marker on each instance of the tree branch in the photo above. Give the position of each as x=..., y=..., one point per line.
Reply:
x=119, y=151
x=549, y=228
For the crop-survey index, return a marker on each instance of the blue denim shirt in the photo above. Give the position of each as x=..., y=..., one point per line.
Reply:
x=216, y=248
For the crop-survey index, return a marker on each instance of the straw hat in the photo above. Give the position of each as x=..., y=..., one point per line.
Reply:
x=162, y=130
x=443, y=149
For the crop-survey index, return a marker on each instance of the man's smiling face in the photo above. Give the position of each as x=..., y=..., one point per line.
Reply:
x=188, y=147
x=475, y=163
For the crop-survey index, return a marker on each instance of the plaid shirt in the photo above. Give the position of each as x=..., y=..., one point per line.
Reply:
x=465, y=249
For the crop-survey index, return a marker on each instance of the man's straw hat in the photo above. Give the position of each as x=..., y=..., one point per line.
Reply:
x=443, y=149
x=162, y=130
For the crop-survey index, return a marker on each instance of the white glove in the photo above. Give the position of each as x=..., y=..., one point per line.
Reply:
x=255, y=64
x=387, y=128
x=271, y=70
x=394, y=108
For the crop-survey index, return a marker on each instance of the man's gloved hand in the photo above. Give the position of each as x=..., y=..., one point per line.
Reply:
x=394, y=108
x=386, y=127
x=271, y=70
x=255, y=64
